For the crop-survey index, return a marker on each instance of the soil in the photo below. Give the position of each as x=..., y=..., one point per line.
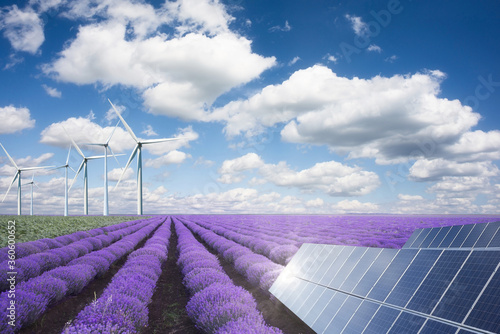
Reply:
x=275, y=313
x=167, y=311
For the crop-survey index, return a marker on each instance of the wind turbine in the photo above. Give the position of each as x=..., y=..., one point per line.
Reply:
x=18, y=177
x=85, y=174
x=32, y=182
x=106, y=146
x=137, y=150
x=66, y=166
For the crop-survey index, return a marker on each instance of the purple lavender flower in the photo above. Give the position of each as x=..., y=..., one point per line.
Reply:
x=200, y=278
x=280, y=254
x=99, y=263
x=249, y=324
x=76, y=277
x=51, y=288
x=255, y=272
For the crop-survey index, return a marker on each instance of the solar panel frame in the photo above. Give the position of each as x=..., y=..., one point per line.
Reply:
x=343, y=315
x=347, y=267
x=375, y=271
x=382, y=320
x=360, y=319
x=443, y=232
x=430, y=237
x=336, y=265
x=461, y=236
x=408, y=323
x=360, y=269
x=474, y=235
x=451, y=236
x=437, y=327
x=488, y=234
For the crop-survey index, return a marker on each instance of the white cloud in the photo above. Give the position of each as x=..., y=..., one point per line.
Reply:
x=114, y=174
x=23, y=29
x=331, y=177
x=293, y=61
x=391, y=59
x=286, y=27
x=355, y=206
x=201, y=161
x=9, y=170
x=360, y=28
x=172, y=157
x=184, y=135
x=15, y=119
x=389, y=119
x=54, y=92
x=404, y=197
x=148, y=131
x=315, y=203
x=374, y=48
x=433, y=170
x=466, y=185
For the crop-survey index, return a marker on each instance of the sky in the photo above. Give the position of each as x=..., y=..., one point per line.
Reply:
x=288, y=107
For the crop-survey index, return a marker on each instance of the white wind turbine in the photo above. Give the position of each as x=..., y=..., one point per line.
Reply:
x=18, y=177
x=66, y=166
x=32, y=182
x=85, y=174
x=137, y=150
x=106, y=146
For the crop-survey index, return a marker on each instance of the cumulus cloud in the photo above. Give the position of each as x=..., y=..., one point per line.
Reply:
x=355, y=206
x=51, y=91
x=433, y=170
x=148, y=131
x=360, y=28
x=387, y=118
x=374, y=48
x=332, y=178
x=15, y=119
x=286, y=27
x=404, y=197
x=23, y=28
x=114, y=174
x=172, y=157
x=9, y=170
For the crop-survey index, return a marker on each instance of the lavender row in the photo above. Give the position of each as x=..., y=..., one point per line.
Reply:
x=36, y=264
x=33, y=297
x=257, y=269
x=123, y=306
x=217, y=305
x=280, y=253
x=32, y=247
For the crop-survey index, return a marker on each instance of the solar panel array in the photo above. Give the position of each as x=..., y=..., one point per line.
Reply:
x=442, y=287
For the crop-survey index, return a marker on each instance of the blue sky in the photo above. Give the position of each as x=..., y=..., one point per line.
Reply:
x=282, y=106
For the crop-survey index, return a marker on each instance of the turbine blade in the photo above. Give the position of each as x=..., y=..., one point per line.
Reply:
x=67, y=158
x=134, y=152
x=10, y=186
x=39, y=167
x=36, y=185
x=112, y=132
x=74, y=144
x=124, y=123
x=10, y=158
x=74, y=171
x=76, y=174
x=114, y=156
x=161, y=140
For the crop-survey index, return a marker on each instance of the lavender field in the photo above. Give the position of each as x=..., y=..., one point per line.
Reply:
x=184, y=273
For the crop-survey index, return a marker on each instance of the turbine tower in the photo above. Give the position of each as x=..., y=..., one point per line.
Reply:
x=137, y=150
x=18, y=177
x=32, y=182
x=106, y=146
x=66, y=166
x=83, y=165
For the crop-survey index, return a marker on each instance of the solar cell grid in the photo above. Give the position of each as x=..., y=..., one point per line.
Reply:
x=329, y=312
x=435, y=284
x=407, y=323
x=461, y=236
x=321, y=303
x=392, y=274
x=293, y=290
x=295, y=304
x=420, y=238
x=347, y=267
x=450, y=237
x=316, y=256
x=443, y=232
x=486, y=312
x=375, y=271
x=412, y=238
x=435, y=327
x=430, y=237
x=343, y=315
x=336, y=265
x=310, y=301
x=469, y=282
x=413, y=277
x=474, y=235
x=488, y=234
x=360, y=269
x=326, y=263
x=495, y=241
x=381, y=321
x=361, y=317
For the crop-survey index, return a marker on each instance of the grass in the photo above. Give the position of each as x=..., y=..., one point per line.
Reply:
x=29, y=228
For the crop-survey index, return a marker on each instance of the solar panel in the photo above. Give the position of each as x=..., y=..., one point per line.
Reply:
x=452, y=286
x=392, y=274
x=486, y=312
x=413, y=277
x=343, y=315
x=407, y=323
x=430, y=237
x=488, y=234
x=467, y=285
x=439, y=278
x=361, y=317
x=412, y=238
x=474, y=235
x=435, y=327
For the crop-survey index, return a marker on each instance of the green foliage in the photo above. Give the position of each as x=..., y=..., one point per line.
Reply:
x=29, y=228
